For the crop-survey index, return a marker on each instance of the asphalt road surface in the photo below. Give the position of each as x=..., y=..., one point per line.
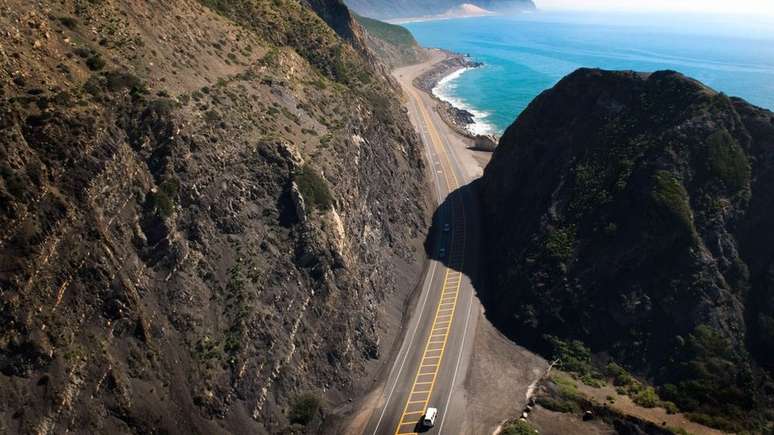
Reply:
x=430, y=367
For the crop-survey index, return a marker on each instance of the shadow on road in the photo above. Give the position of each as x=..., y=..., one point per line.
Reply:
x=444, y=245
x=455, y=235
x=458, y=243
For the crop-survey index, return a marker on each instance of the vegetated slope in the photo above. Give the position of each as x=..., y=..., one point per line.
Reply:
x=392, y=9
x=202, y=215
x=392, y=44
x=632, y=212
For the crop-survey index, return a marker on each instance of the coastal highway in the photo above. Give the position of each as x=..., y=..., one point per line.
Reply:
x=430, y=367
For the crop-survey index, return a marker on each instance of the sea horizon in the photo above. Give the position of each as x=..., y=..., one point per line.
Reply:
x=526, y=54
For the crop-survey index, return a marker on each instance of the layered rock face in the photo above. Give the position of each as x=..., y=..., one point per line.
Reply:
x=204, y=209
x=632, y=211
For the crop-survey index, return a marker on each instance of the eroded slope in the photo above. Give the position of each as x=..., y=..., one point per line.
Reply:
x=201, y=214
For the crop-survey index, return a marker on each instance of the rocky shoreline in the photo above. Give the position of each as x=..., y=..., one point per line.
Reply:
x=458, y=119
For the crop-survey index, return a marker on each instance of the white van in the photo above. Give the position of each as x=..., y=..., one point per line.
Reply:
x=429, y=420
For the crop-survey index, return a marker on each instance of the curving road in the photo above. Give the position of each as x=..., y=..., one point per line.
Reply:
x=430, y=367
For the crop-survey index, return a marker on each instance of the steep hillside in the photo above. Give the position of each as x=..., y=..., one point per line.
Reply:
x=205, y=208
x=386, y=9
x=392, y=44
x=631, y=212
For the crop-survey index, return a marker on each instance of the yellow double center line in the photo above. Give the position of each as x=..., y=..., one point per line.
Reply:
x=427, y=372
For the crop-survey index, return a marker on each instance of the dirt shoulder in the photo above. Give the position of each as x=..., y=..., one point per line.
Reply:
x=500, y=376
x=352, y=416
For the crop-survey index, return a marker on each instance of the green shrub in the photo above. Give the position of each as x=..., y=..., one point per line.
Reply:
x=170, y=186
x=670, y=407
x=15, y=184
x=319, y=84
x=640, y=394
x=671, y=200
x=592, y=380
x=233, y=342
x=69, y=22
x=290, y=115
x=727, y=161
x=206, y=349
x=714, y=380
x=162, y=201
x=271, y=57
x=647, y=398
x=82, y=52
x=304, y=409
x=589, y=191
x=211, y=116
x=573, y=355
x=95, y=62
x=117, y=81
x=518, y=428
x=620, y=376
x=564, y=396
x=715, y=421
x=560, y=243
x=625, y=383
x=566, y=387
x=314, y=188
x=558, y=405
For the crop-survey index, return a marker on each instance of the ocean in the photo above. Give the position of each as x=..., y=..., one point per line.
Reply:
x=528, y=53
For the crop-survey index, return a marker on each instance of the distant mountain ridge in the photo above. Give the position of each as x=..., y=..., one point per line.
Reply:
x=386, y=10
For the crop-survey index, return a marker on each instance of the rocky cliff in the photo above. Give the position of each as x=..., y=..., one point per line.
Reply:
x=205, y=208
x=632, y=212
x=392, y=44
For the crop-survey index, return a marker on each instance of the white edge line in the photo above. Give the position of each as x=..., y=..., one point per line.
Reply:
x=424, y=301
x=406, y=353
x=457, y=367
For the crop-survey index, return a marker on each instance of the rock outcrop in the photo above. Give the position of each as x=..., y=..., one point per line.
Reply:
x=205, y=207
x=632, y=211
x=454, y=62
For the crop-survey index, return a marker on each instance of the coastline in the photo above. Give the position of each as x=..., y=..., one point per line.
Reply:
x=456, y=118
x=401, y=21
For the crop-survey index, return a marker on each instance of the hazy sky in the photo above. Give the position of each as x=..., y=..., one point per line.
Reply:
x=747, y=7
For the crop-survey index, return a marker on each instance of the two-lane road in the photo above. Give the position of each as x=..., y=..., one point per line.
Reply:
x=430, y=367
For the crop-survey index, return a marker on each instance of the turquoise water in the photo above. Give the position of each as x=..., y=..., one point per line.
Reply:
x=527, y=54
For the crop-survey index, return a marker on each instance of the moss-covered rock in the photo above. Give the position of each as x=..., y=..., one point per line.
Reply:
x=670, y=202
x=727, y=161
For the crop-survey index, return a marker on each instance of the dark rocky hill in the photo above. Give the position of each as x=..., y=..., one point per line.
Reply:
x=633, y=212
x=206, y=206
x=392, y=9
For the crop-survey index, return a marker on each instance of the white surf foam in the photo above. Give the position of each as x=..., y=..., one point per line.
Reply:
x=445, y=91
